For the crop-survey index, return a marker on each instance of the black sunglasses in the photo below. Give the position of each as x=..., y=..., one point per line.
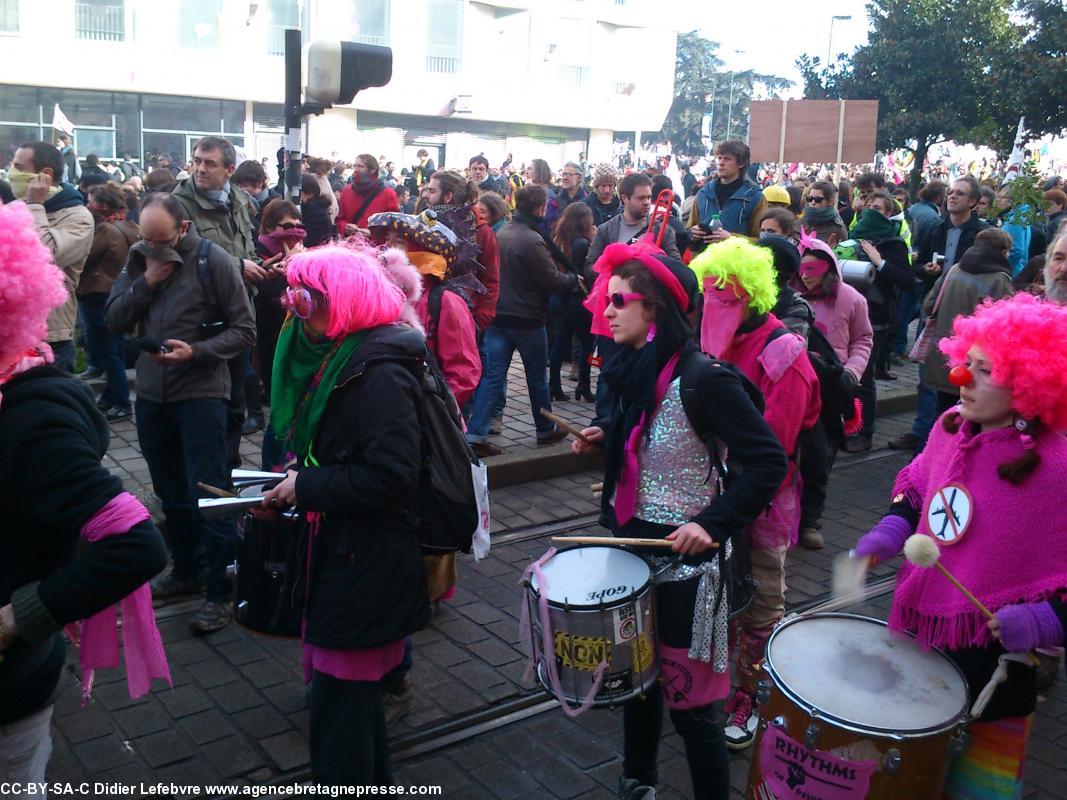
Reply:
x=816, y=198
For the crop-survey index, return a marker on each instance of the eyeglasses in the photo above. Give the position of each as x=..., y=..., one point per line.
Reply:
x=816, y=198
x=959, y=192
x=569, y=175
x=300, y=301
x=620, y=299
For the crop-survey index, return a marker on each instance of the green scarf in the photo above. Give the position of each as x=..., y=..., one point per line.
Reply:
x=874, y=227
x=305, y=372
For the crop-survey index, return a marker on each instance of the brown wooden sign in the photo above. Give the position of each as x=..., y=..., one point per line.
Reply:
x=841, y=131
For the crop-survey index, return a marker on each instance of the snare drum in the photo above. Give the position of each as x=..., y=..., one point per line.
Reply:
x=852, y=711
x=599, y=609
x=269, y=584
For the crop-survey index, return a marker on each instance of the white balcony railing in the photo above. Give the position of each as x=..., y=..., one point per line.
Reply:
x=99, y=23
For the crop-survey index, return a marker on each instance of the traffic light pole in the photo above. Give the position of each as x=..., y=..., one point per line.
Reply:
x=293, y=115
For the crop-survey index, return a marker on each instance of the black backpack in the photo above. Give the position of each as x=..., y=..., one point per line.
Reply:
x=446, y=507
x=739, y=585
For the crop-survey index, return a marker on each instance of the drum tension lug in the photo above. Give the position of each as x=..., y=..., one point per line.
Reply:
x=958, y=743
x=763, y=692
x=778, y=722
x=811, y=735
x=892, y=761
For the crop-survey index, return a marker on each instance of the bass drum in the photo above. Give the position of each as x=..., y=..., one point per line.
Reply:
x=851, y=710
x=269, y=584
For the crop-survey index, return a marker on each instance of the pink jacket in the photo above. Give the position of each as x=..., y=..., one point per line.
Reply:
x=457, y=350
x=843, y=320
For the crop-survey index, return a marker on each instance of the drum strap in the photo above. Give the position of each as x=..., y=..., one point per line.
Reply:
x=547, y=648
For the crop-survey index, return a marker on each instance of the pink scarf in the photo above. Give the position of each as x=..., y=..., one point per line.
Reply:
x=724, y=311
x=142, y=646
x=626, y=489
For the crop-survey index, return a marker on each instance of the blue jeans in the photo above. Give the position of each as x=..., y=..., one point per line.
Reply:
x=925, y=412
x=106, y=350
x=185, y=443
x=573, y=324
x=500, y=345
x=64, y=354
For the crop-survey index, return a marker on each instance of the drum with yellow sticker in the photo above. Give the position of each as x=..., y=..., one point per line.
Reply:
x=600, y=613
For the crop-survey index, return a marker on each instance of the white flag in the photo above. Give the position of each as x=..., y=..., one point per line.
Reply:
x=61, y=123
x=1018, y=155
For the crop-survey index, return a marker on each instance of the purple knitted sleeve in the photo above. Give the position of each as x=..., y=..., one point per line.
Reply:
x=886, y=539
x=1027, y=626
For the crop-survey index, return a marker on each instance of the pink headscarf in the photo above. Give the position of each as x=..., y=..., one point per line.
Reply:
x=613, y=257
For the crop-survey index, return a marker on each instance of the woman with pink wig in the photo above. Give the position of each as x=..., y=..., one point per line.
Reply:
x=345, y=404
x=75, y=543
x=988, y=489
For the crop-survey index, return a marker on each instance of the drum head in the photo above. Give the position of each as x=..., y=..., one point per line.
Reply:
x=854, y=670
x=593, y=575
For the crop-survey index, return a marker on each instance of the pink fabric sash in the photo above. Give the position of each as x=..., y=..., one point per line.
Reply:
x=687, y=683
x=142, y=646
x=626, y=490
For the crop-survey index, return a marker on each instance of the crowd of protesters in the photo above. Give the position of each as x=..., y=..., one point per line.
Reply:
x=233, y=299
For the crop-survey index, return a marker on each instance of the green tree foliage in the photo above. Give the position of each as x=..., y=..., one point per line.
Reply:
x=953, y=69
x=702, y=86
x=1029, y=76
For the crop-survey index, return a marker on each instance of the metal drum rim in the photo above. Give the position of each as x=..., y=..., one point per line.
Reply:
x=601, y=605
x=856, y=727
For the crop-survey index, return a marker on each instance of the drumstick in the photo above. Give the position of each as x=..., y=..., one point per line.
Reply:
x=214, y=490
x=616, y=541
x=577, y=434
x=922, y=551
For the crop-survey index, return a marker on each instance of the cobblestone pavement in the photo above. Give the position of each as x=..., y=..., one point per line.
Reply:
x=237, y=712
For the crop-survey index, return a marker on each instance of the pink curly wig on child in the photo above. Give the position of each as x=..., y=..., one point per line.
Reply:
x=30, y=285
x=1023, y=337
x=401, y=272
x=358, y=292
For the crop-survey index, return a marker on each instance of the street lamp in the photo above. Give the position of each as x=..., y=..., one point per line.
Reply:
x=829, y=43
x=730, y=107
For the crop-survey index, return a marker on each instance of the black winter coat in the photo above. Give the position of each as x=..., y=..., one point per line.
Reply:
x=317, y=223
x=883, y=296
x=51, y=483
x=367, y=583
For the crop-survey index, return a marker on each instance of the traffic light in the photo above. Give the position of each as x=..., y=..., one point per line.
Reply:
x=336, y=71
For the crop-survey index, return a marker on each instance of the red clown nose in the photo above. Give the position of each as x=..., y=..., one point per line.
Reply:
x=960, y=376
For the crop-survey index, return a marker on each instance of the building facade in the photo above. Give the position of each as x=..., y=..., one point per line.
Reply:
x=531, y=78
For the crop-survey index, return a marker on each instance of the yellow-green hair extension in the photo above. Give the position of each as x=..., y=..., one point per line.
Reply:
x=749, y=265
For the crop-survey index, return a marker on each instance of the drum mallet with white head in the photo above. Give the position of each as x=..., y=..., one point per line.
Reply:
x=923, y=552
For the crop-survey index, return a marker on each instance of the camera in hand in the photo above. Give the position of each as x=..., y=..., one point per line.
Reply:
x=150, y=344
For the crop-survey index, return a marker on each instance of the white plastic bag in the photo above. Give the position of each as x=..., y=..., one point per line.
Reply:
x=480, y=476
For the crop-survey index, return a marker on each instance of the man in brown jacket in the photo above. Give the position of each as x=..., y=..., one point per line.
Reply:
x=112, y=239
x=64, y=226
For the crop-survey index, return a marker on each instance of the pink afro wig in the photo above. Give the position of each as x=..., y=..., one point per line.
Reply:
x=30, y=284
x=1024, y=338
x=401, y=272
x=350, y=276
